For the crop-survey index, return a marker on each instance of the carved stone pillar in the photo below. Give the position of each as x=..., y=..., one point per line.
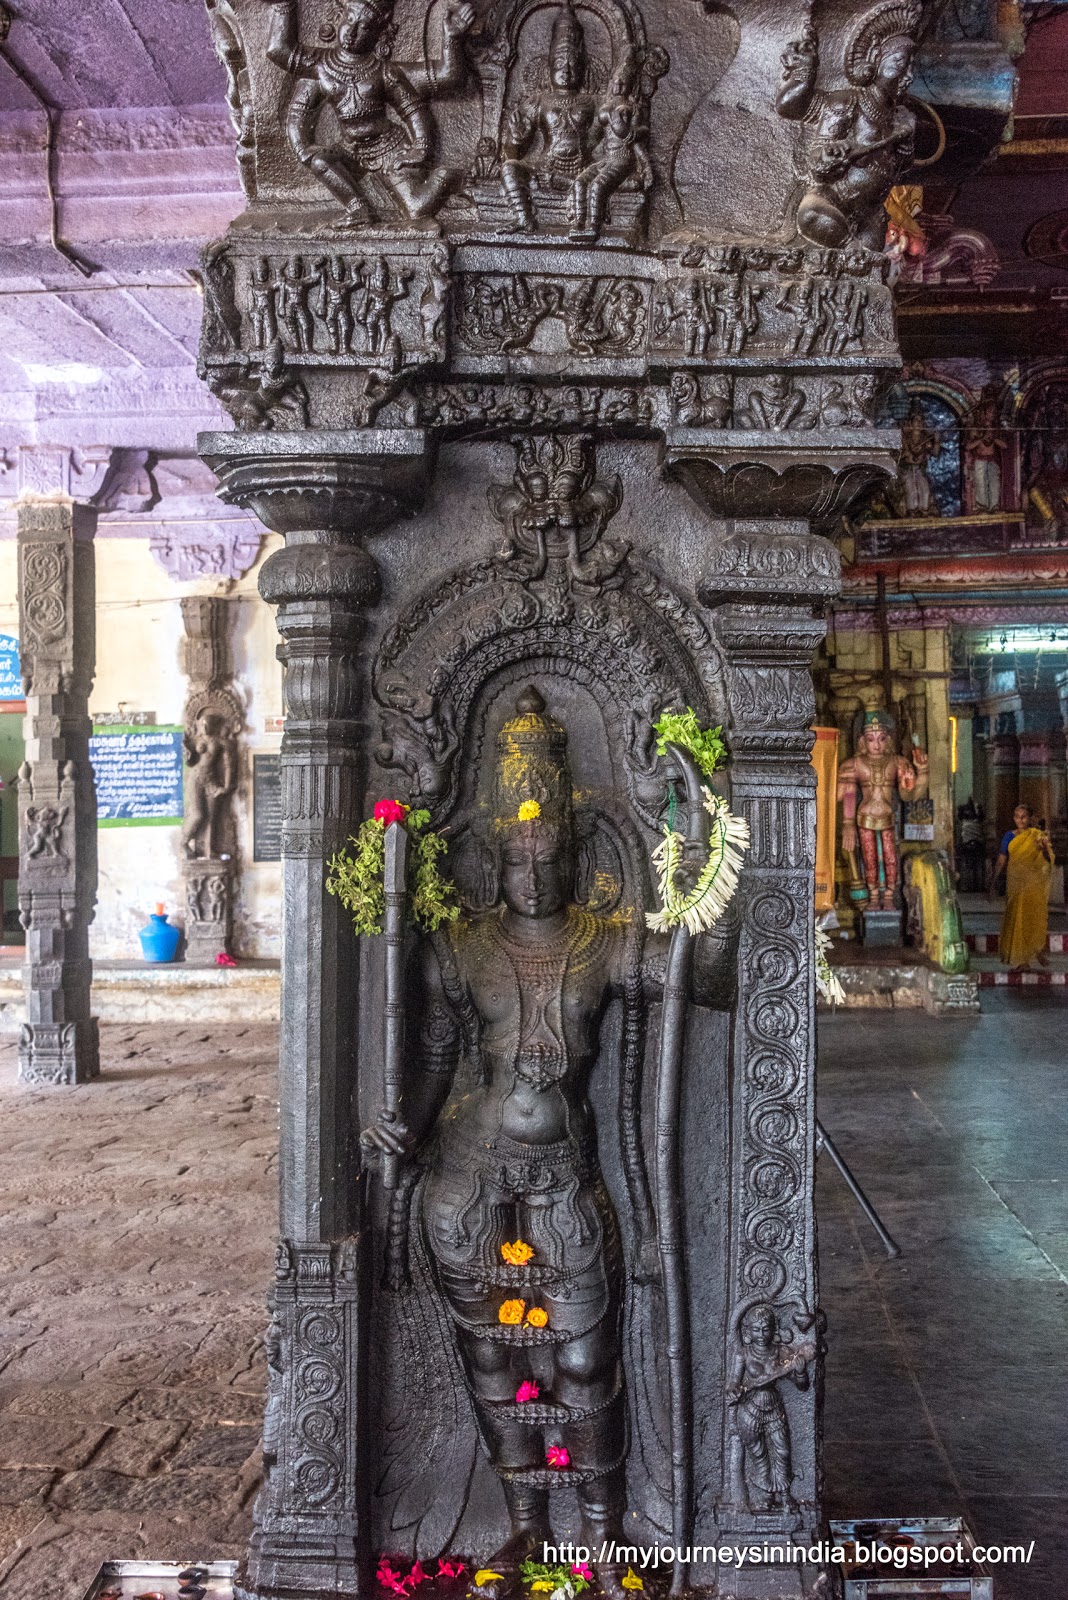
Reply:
x=57, y=797
x=311, y=1530
x=762, y=581
x=1004, y=778
x=212, y=721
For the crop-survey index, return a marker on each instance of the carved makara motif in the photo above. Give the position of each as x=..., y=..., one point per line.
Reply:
x=859, y=136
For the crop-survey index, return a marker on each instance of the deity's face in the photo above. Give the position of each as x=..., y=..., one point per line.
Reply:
x=877, y=740
x=566, y=70
x=759, y=1328
x=359, y=29
x=535, y=872
x=894, y=69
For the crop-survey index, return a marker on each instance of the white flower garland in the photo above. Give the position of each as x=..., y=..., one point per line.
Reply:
x=827, y=981
x=706, y=902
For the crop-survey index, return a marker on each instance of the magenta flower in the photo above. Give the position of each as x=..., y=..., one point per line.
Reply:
x=449, y=1569
x=526, y=1391
x=581, y=1569
x=388, y=1578
x=387, y=811
x=558, y=1456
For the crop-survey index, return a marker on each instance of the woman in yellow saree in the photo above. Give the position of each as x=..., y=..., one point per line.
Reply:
x=1025, y=851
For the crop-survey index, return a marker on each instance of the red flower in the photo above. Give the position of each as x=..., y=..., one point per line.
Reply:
x=449, y=1569
x=387, y=811
x=417, y=1575
x=223, y=960
x=527, y=1391
x=388, y=1578
x=558, y=1456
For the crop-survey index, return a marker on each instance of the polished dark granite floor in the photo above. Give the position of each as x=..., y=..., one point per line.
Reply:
x=947, y=1377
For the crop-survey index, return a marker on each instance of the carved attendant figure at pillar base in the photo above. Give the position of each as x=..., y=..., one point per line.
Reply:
x=880, y=774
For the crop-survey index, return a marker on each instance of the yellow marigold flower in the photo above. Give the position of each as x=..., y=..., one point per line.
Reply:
x=518, y=1254
x=537, y=1316
x=632, y=1580
x=529, y=810
x=542, y=1586
x=511, y=1312
x=484, y=1575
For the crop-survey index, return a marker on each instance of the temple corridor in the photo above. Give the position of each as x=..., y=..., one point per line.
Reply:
x=131, y=1374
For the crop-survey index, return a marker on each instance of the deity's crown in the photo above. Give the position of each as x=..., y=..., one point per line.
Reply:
x=879, y=719
x=533, y=779
x=567, y=40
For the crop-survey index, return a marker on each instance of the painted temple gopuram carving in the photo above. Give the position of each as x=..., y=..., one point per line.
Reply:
x=555, y=336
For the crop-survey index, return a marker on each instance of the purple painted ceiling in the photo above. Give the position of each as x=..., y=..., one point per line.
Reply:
x=113, y=53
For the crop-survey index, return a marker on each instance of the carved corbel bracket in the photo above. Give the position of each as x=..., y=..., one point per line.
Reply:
x=817, y=475
x=318, y=487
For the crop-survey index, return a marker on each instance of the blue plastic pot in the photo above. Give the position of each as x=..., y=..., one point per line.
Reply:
x=159, y=941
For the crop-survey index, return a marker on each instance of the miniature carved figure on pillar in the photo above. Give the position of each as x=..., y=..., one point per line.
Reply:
x=213, y=722
x=880, y=774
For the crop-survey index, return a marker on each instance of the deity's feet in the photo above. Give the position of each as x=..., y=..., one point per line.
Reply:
x=610, y=1581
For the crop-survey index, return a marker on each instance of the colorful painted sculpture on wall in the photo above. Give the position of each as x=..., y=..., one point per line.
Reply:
x=881, y=775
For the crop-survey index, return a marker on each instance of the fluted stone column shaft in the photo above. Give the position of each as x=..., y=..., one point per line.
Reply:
x=58, y=1043
x=311, y=1524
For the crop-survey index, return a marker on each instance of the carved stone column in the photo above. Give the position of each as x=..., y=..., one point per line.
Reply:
x=311, y=1533
x=57, y=797
x=213, y=721
x=763, y=581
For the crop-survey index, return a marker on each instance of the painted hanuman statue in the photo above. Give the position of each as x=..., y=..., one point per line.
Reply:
x=515, y=1214
x=879, y=772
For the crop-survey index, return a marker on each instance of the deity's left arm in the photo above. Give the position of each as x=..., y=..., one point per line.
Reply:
x=912, y=779
x=713, y=976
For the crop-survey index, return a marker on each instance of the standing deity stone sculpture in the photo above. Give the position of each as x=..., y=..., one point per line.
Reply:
x=212, y=723
x=555, y=392
x=880, y=774
x=517, y=1219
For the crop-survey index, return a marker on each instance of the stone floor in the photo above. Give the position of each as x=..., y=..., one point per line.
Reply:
x=137, y=1241
x=947, y=1383
x=136, y=1245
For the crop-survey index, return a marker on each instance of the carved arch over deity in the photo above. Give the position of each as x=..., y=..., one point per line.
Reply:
x=958, y=456
x=1041, y=415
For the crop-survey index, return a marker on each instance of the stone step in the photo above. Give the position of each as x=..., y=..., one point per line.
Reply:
x=987, y=943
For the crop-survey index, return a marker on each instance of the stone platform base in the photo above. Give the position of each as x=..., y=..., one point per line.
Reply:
x=142, y=991
x=901, y=980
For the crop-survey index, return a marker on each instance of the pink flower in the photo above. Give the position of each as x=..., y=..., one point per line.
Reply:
x=581, y=1569
x=558, y=1456
x=387, y=811
x=388, y=1578
x=223, y=960
x=416, y=1576
x=449, y=1569
x=527, y=1391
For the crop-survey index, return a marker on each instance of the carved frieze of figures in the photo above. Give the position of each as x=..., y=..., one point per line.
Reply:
x=858, y=136
x=375, y=153
x=501, y=313
x=820, y=305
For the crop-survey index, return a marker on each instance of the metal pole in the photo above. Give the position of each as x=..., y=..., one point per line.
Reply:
x=825, y=1142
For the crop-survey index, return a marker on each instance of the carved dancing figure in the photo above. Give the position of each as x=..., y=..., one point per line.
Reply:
x=262, y=312
x=336, y=302
x=376, y=310
x=735, y=300
x=44, y=832
x=862, y=135
x=760, y=1442
x=521, y=1232
x=294, y=288
x=880, y=774
x=562, y=118
x=212, y=758
x=806, y=302
x=380, y=165
x=433, y=301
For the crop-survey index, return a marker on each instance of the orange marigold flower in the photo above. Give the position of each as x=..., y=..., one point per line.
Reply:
x=518, y=1254
x=537, y=1316
x=511, y=1312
